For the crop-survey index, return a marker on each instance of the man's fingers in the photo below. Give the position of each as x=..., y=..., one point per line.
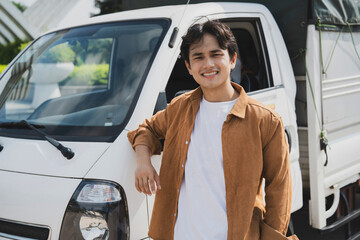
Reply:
x=137, y=184
x=147, y=180
x=157, y=180
x=146, y=185
x=141, y=185
x=152, y=185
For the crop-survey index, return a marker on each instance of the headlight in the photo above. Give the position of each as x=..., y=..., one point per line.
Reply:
x=97, y=211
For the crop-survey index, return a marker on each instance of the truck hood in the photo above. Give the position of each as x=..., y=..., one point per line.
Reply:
x=41, y=158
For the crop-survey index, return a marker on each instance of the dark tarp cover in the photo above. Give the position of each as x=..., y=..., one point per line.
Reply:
x=292, y=17
x=337, y=12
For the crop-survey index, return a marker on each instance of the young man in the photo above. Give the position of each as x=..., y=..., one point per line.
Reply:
x=219, y=146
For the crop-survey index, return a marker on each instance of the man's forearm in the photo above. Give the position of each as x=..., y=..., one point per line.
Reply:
x=143, y=154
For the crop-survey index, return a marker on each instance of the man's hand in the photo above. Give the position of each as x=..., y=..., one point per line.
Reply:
x=145, y=173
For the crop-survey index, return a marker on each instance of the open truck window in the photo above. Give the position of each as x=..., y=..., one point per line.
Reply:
x=252, y=70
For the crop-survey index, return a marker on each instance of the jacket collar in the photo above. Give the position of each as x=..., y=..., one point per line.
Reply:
x=239, y=107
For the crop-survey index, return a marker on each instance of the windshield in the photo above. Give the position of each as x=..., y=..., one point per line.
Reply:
x=85, y=77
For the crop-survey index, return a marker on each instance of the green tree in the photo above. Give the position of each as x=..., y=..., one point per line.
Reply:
x=10, y=50
x=2, y=67
x=108, y=6
x=58, y=53
x=88, y=75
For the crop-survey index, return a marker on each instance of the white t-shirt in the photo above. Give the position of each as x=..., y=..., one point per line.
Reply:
x=202, y=202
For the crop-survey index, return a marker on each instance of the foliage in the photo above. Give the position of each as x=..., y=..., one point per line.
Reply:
x=9, y=51
x=88, y=75
x=23, y=45
x=59, y=53
x=2, y=67
x=96, y=47
x=84, y=55
x=102, y=46
x=108, y=6
x=19, y=6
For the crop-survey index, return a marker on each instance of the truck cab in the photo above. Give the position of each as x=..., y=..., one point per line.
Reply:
x=84, y=87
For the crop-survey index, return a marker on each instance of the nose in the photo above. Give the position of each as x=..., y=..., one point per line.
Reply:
x=208, y=62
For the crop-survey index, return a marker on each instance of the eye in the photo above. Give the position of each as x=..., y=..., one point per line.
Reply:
x=217, y=54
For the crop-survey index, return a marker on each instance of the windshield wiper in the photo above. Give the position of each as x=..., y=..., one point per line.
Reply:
x=66, y=152
x=19, y=124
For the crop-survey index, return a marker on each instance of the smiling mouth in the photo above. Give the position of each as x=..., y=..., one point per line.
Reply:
x=209, y=74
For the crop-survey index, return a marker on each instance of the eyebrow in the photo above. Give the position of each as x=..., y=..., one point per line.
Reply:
x=215, y=51
x=195, y=54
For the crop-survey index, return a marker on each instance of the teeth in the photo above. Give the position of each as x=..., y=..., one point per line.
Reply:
x=209, y=74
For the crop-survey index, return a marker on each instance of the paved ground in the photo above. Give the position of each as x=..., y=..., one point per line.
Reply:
x=305, y=232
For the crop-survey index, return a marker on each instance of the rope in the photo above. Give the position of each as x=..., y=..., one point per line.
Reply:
x=352, y=38
x=323, y=140
x=321, y=55
x=303, y=52
x=320, y=25
x=333, y=50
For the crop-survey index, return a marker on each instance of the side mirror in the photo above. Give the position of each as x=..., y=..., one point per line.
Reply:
x=161, y=102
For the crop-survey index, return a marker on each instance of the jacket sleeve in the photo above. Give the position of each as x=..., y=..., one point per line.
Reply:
x=150, y=132
x=276, y=171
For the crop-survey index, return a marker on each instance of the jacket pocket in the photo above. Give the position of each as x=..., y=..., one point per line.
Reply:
x=269, y=233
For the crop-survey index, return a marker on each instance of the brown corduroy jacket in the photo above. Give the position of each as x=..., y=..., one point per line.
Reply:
x=254, y=148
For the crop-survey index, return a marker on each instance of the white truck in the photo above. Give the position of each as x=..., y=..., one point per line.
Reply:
x=68, y=100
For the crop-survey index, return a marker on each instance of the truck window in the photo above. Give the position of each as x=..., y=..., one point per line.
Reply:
x=86, y=77
x=251, y=70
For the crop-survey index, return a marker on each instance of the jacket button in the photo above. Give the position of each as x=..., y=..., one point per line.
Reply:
x=174, y=214
x=182, y=165
x=186, y=142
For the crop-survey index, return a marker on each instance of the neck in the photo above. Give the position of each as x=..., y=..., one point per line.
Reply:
x=224, y=94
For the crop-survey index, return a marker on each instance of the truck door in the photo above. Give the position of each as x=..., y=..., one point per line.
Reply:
x=258, y=72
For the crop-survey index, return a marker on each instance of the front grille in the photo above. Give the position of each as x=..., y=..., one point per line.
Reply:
x=16, y=230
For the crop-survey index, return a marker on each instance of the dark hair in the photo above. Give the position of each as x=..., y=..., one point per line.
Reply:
x=219, y=30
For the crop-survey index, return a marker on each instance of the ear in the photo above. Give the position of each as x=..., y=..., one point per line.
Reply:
x=188, y=67
x=233, y=61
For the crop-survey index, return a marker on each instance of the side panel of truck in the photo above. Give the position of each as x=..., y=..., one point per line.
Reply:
x=334, y=78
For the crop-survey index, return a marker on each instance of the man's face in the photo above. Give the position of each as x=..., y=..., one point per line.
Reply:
x=209, y=64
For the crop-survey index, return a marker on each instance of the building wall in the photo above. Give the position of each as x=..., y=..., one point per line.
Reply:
x=13, y=25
